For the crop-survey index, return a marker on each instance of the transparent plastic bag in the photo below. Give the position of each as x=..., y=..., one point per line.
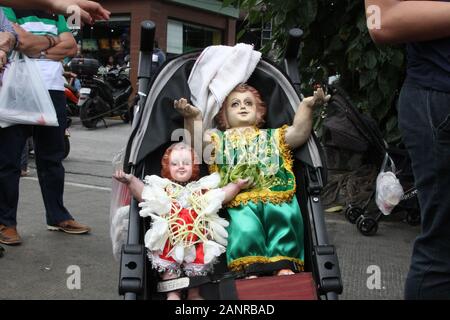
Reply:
x=389, y=191
x=23, y=96
x=119, y=209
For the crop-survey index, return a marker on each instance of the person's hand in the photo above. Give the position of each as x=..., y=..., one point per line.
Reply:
x=186, y=110
x=318, y=99
x=123, y=177
x=3, y=59
x=22, y=34
x=7, y=41
x=90, y=10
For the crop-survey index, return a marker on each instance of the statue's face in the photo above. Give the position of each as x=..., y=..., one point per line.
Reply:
x=240, y=109
x=180, y=165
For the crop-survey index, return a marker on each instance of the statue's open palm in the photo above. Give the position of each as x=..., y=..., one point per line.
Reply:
x=187, y=110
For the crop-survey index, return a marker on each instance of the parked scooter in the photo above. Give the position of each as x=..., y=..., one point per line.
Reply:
x=72, y=95
x=101, y=96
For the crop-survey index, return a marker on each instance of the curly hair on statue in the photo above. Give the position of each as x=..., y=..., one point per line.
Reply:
x=261, y=108
x=165, y=171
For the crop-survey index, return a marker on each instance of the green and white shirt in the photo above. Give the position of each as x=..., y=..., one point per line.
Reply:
x=42, y=23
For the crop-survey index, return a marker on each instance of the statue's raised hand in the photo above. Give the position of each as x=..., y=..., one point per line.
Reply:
x=187, y=110
x=318, y=99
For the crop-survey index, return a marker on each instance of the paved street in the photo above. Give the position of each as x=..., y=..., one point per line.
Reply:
x=37, y=269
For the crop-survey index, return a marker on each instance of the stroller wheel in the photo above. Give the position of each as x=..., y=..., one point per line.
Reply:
x=358, y=221
x=368, y=226
x=413, y=218
x=353, y=213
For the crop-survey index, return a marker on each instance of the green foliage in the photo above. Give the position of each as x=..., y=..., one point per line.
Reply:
x=336, y=41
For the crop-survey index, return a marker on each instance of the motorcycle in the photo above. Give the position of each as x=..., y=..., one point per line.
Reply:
x=72, y=96
x=104, y=95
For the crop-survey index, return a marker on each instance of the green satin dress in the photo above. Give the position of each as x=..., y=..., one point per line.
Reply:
x=266, y=224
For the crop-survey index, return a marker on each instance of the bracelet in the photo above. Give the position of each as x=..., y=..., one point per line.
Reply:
x=51, y=41
x=16, y=43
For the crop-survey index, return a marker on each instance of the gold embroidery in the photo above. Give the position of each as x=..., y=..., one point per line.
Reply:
x=240, y=263
x=275, y=197
x=213, y=167
x=266, y=195
x=239, y=139
x=286, y=152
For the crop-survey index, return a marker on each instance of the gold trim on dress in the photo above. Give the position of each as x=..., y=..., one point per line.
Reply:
x=274, y=197
x=240, y=263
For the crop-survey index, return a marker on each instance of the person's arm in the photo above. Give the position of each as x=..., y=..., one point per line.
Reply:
x=300, y=130
x=408, y=21
x=90, y=10
x=67, y=47
x=32, y=45
x=7, y=41
x=8, y=35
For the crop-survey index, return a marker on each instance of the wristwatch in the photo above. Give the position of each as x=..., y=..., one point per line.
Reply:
x=43, y=55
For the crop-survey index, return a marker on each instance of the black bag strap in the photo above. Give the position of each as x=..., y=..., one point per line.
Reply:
x=270, y=268
x=227, y=289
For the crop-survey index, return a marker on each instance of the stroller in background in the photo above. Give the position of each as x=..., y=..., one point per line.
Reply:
x=345, y=125
x=156, y=119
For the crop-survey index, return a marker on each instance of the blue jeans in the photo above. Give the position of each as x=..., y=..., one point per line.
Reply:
x=424, y=119
x=49, y=153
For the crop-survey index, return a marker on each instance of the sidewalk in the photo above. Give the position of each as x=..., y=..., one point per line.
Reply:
x=37, y=268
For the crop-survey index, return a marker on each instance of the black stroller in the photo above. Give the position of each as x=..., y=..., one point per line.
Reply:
x=153, y=124
x=345, y=120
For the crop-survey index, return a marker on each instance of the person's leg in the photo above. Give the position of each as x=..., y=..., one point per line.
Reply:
x=24, y=160
x=49, y=153
x=424, y=119
x=12, y=141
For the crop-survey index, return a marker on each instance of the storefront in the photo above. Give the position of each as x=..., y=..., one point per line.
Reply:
x=181, y=26
x=106, y=40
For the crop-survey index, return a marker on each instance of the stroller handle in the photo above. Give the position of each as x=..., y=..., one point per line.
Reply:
x=293, y=44
x=147, y=35
x=290, y=57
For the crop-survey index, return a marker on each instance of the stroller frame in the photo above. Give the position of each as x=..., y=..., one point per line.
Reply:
x=320, y=255
x=359, y=215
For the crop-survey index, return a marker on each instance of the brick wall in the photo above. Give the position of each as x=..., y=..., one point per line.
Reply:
x=159, y=11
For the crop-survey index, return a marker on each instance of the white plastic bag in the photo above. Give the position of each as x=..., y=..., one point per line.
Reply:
x=23, y=96
x=389, y=191
x=119, y=209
